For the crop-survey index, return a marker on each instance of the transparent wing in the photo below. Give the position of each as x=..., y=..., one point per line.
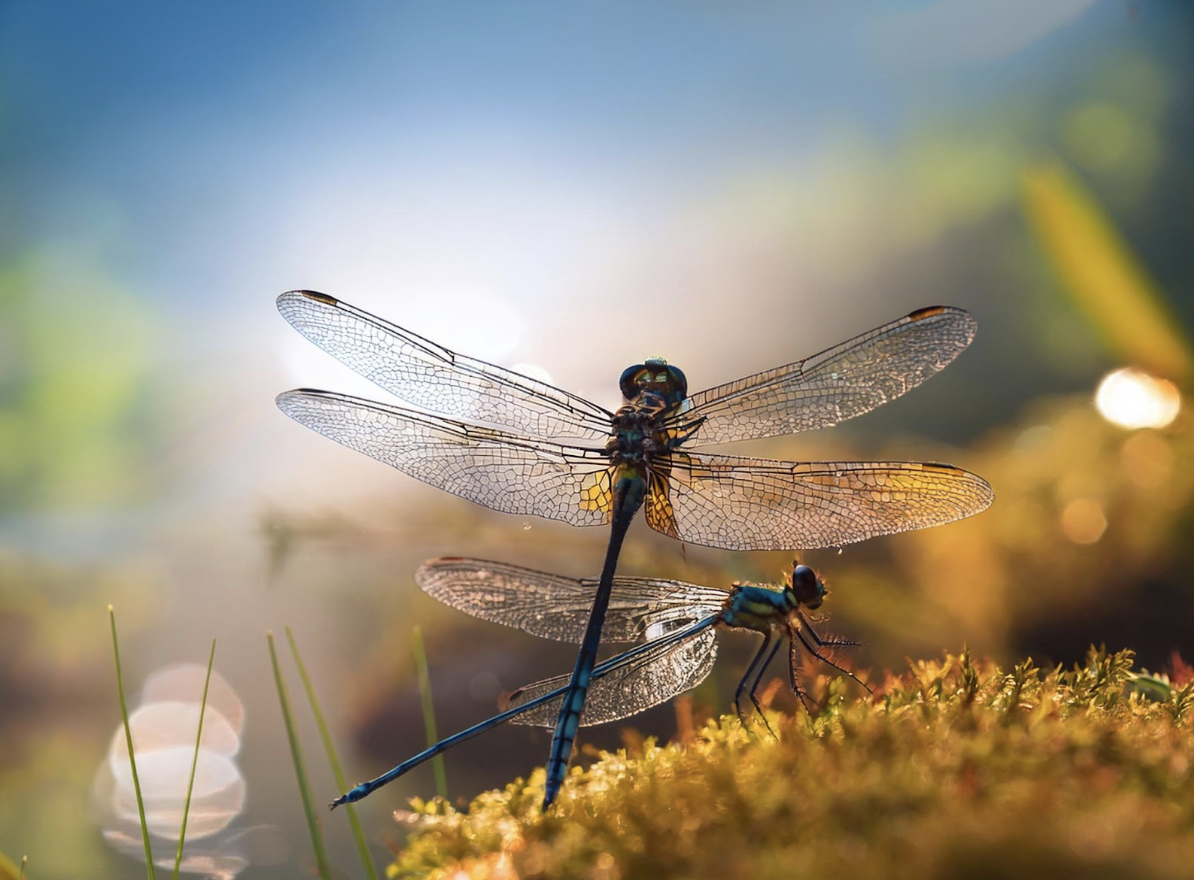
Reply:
x=837, y=384
x=755, y=504
x=556, y=607
x=498, y=470
x=430, y=376
x=651, y=678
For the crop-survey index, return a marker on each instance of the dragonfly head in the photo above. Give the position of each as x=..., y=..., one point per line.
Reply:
x=807, y=589
x=657, y=377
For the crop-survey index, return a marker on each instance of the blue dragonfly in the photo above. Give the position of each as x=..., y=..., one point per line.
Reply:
x=671, y=622
x=521, y=446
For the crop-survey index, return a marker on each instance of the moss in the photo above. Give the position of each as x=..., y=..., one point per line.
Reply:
x=950, y=770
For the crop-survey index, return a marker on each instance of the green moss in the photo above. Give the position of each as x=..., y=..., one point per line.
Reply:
x=951, y=770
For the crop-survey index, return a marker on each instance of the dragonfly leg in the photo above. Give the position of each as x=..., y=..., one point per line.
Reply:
x=746, y=677
x=816, y=651
x=794, y=664
x=754, y=687
x=824, y=641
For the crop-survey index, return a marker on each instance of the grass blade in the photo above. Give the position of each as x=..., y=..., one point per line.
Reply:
x=355, y=823
x=128, y=738
x=186, y=808
x=9, y=871
x=300, y=772
x=437, y=763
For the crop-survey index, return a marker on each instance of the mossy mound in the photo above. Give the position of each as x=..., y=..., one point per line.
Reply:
x=953, y=770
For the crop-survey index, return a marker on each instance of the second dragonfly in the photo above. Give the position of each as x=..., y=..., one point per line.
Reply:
x=672, y=621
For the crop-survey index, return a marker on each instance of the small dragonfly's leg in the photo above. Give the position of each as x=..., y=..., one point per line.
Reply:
x=746, y=677
x=794, y=665
x=754, y=687
x=816, y=651
x=825, y=641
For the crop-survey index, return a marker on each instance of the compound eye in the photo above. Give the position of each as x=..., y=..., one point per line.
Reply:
x=678, y=384
x=807, y=587
x=628, y=383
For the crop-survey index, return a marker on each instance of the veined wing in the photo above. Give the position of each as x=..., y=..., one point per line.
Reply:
x=755, y=504
x=556, y=607
x=491, y=467
x=838, y=384
x=663, y=669
x=430, y=376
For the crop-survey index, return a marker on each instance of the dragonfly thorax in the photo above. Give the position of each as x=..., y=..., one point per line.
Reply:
x=756, y=608
x=634, y=437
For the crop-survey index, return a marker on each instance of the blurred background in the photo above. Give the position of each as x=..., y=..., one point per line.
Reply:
x=568, y=189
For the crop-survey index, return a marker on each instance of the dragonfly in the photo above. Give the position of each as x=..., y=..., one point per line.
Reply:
x=671, y=622
x=521, y=446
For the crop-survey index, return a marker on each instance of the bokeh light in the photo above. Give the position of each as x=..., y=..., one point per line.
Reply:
x=1083, y=521
x=164, y=731
x=1131, y=398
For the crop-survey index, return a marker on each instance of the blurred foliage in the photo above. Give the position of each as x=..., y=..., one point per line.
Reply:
x=56, y=687
x=48, y=615
x=9, y=869
x=952, y=769
x=75, y=362
x=1101, y=274
x=46, y=810
x=1087, y=539
x=948, y=172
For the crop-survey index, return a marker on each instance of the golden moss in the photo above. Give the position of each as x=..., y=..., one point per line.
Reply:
x=951, y=770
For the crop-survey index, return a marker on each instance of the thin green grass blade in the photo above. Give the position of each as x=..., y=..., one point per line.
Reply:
x=128, y=738
x=186, y=808
x=300, y=771
x=357, y=832
x=9, y=870
x=437, y=763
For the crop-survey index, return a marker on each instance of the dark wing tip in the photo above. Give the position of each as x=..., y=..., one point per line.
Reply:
x=312, y=294
x=284, y=400
x=931, y=311
x=952, y=314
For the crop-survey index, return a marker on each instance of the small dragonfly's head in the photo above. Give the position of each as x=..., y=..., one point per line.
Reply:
x=807, y=589
x=656, y=376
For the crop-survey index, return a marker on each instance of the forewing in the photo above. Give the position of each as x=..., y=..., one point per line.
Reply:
x=650, y=679
x=431, y=377
x=754, y=504
x=838, y=384
x=556, y=607
x=490, y=467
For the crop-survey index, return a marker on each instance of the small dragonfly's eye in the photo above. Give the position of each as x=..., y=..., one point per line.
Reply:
x=807, y=587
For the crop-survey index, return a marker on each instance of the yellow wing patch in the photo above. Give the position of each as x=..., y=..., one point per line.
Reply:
x=658, y=508
x=598, y=491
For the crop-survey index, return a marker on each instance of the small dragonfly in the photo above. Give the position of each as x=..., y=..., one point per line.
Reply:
x=673, y=623
x=521, y=446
